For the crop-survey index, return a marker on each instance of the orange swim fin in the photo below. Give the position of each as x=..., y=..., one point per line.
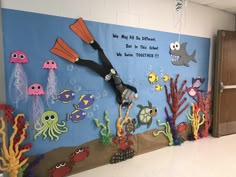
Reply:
x=62, y=50
x=81, y=30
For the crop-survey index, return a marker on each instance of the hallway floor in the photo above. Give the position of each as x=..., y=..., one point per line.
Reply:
x=208, y=157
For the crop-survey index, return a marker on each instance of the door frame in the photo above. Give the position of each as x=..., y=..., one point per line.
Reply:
x=216, y=90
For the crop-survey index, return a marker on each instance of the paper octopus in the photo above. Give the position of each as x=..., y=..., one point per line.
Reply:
x=50, y=126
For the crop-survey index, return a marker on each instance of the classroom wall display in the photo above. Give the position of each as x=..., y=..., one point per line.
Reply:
x=83, y=106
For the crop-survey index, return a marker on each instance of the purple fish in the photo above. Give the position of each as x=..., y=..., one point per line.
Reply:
x=85, y=101
x=66, y=96
x=192, y=91
x=197, y=82
x=76, y=115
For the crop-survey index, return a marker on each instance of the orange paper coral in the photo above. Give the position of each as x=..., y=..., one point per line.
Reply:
x=12, y=153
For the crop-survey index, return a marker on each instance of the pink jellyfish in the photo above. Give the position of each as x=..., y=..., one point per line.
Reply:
x=37, y=105
x=51, y=89
x=18, y=81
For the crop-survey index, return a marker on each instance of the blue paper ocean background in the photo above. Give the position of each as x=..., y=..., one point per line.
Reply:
x=134, y=52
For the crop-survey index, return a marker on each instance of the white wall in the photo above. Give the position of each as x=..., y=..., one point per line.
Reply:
x=149, y=14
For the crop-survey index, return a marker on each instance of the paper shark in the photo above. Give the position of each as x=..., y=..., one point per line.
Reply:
x=180, y=56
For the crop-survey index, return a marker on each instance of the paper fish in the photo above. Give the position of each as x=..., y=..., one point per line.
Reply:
x=197, y=82
x=158, y=87
x=165, y=78
x=65, y=96
x=192, y=91
x=179, y=55
x=152, y=77
x=76, y=116
x=85, y=101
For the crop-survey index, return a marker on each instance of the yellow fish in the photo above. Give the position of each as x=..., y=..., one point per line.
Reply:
x=158, y=87
x=152, y=77
x=165, y=77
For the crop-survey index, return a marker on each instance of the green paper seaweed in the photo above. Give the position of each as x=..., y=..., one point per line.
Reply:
x=105, y=131
x=166, y=132
x=22, y=170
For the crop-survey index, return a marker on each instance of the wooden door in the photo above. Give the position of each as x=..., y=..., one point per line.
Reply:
x=224, y=100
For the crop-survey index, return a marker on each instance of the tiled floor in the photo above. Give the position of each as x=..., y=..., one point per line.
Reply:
x=208, y=157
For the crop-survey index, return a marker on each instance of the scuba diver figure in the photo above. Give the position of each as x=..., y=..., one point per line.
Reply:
x=125, y=94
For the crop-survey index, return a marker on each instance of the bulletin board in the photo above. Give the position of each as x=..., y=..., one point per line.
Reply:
x=135, y=53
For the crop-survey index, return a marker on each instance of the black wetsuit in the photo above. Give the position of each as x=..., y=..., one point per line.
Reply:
x=104, y=70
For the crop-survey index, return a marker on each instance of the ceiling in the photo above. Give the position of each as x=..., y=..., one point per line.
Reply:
x=225, y=5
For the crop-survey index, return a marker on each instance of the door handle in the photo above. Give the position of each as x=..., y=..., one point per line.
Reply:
x=223, y=87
